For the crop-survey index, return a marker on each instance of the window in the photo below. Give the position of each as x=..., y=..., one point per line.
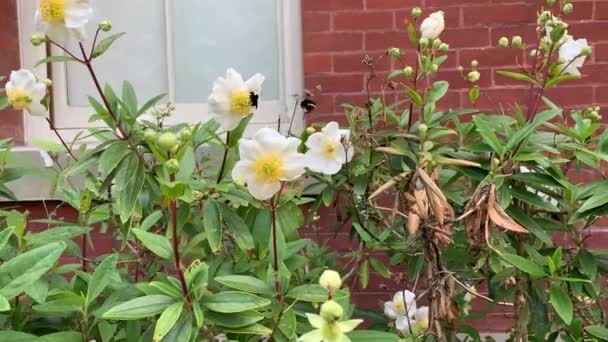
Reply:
x=177, y=48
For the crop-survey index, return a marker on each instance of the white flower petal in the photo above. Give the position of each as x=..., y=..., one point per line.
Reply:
x=332, y=130
x=350, y=325
x=315, y=320
x=422, y=313
x=311, y=336
x=254, y=84
x=293, y=166
x=263, y=191
x=22, y=78
x=242, y=171
x=249, y=149
x=389, y=310
x=433, y=25
x=403, y=324
x=270, y=140
x=36, y=109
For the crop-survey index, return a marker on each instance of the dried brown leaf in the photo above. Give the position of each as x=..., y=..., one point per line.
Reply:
x=499, y=217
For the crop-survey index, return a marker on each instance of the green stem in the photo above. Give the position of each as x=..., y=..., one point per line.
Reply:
x=176, y=256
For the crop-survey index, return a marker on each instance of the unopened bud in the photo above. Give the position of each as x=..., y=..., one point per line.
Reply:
x=331, y=280
x=460, y=68
x=533, y=53
x=503, y=42
x=586, y=51
x=568, y=8
x=474, y=63
x=185, y=134
x=424, y=42
x=167, y=141
x=436, y=43
x=444, y=47
x=495, y=163
x=172, y=165
x=544, y=16
x=416, y=12
x=550, y=2
x=105, y=25
x=239, y=182
x=331, y=311
x=38, y=39
x=48, y=82
x=310, y=130
x=394, y=52
x=422, y=129
x=517, y=42
x=407, y=71
x=473, y=76
x=434, y=68
x=149, y=135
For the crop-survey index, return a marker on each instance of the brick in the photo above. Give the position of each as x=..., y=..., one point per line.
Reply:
x=601, y=94
x=336, y=83
x=601, y=10
x=353, y=62
x=527, y=32
x=583, y=10
x=316, y=22
x=457, y=81
x=320, y=42
x=497, y=15
x=392, y=4
x=375, y=41
x=600, y=52
x=571, y=95
x=491, y=56
x=592, y=31
x=331, y=5
x=362, y=21
x=466, y=37
x=496, y=98
x=318, y=63
x=461, y=3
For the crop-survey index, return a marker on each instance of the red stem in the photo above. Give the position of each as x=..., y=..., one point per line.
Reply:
x=176, y=256
x=277, y=282
x=415, y=84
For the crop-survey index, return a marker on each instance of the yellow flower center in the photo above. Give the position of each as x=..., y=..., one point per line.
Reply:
x=329, y=149
x=17, y=98
x=422, y=324
x=268, y=168
x=240, y=102
x=52, y=11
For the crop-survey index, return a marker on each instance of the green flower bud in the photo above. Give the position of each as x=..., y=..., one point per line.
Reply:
x=517, y=42
x=394, y=52
x=38, y=39
x=568, y=8
x=310, y=130
x=424, y=42
x=586, y=51
x=495, y=163
x=503, y=42
x=331, y=280
x=436, y=43
x=172, y=165
x=544, y=16
x=239, y=182
x=422, y=129
x=460, y=68
x=444, y=47
x=416, y=12
x=434, y=68
x=167, y=141
x=474, y=63
x=105, y=25
x=550, y=2
x=473, y=76
x=331, y=311
x=408, y=71
x=185, y=134
x=150, y=135
x=48, y=82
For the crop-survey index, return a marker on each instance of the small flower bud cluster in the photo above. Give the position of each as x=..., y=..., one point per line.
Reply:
x=105, y=26
x=38, y=39
x=164, y=111
x=593, y=113
x=516, y=42
x=473, y=75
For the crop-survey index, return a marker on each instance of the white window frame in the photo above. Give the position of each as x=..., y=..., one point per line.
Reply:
x=290, y=75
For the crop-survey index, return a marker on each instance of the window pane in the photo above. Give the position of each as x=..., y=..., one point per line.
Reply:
x=211, y=36
x=139, y=56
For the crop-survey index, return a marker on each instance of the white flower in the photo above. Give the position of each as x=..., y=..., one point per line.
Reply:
x=233, y=99
x=468, y=298
x=433, y=25
x=25, y=92
x=422, y=319
x=61, y=18
x=329, y=149
x=402, y=309
x=570, y=51
x=267, y=160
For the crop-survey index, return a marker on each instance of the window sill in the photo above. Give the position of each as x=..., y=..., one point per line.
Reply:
x=31, y=187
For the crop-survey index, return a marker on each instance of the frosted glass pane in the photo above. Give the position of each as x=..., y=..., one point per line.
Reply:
x=139, y=56
x=213, y=35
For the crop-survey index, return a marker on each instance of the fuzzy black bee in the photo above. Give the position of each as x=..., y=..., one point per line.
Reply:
x=254, y=99
x=308, y=105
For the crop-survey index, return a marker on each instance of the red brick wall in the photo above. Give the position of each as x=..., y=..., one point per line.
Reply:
x=11, y=124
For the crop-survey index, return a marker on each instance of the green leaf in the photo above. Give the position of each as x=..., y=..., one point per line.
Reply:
x=101, y=278
x=105, y=44
x=151, y=220
x=16, y=336
x=54, y=59
x=588, y=263
x=5, y=235
x=237, y=133
x=379, y=267
x=56, y=234
x=559, y=79
x=474, y=94
x=128, y=197
x=525, y=265
x=438, y=90
x=68, y=303
x=48, y=146
x=37, y=262
x=139, y=308
x=364, y=274
x=595, y=201
x=129, y=98
x=238, y=227
x=4, y=304
x=528, y=222
x=561, y=303
x=3, y=102
x=66, y=336
x=309, y=293
x=158, y=244
x=150, y=103
x=254, y=329
x=112, y=156
x=167, y=320
x=487, y=133
x=516, y=76
x=233, y=301
x=245, y=283
x=181, y=331
x=288, y=323
x=212, y=224
x=234, y=320
x=414, y=96
x=372, y=335
x=598, y=331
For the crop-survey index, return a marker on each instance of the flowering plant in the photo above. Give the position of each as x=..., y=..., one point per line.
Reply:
x=216, y=256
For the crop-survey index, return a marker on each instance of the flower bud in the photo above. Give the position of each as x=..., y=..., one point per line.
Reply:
x=495, y=163
x=239, y=182
x=394, y=52
x=310, y=130
x=517, y=42
x=473, y=76
x=550, y=2
x=544, y=16
x=185, y=134
x=149, y=135
x=533, y=53
x=568, y=8
x=422, y=129
x=424, y=42
x=474, y=63
x=167, y=141
x=48, y=82
x=444, y=47
x=503, y=42
x=460, y=68
x=586, y=51
x=434, y=68
x=38, y=39
x=331, y=280
x=105, y=25
x=407, y=71
x=436, y=43
x=416, y=12
x=331, y=311
x=172, y=165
